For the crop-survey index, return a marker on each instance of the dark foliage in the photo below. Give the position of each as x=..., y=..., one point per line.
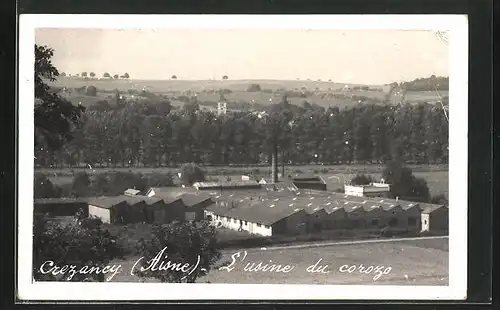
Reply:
x=185, y=243
x=54, y=116
x=404, y=184
x=362, y=179
x=82, y=241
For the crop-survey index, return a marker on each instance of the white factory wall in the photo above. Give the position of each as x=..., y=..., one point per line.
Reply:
x=102, y=213
x=235, y=224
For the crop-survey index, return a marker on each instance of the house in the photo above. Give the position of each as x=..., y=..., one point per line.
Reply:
x=434, y=217
x=369, y=190
x=109, y=209
x=132, y=192
x=60, y=206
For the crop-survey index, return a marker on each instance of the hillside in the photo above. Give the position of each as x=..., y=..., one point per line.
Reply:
x=207, y=92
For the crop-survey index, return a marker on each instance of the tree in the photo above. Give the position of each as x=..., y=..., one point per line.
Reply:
x=81, y=242
x=80, y=186
x=439, y=200
x=115, y=76
x=92, y=74
x=191, y=173
x=225, y=77
x=126, y=75
x=106, y=75
x=253, y=88
x=160, y=180
x=54, y=116
x=83, y=74
x=404, y=184
x=174, y=77
x=63, y=74
x=362, y=179
x=91, y=91
x=43, y=187
x=100, y=185
x=193, y=244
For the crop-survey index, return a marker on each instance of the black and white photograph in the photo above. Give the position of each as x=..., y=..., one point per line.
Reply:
x=248, y=157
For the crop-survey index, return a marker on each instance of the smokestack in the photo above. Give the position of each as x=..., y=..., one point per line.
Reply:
x=274, y=165
x=283, y=164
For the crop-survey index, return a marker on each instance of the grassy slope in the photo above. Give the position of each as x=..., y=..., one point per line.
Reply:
x=424, y=262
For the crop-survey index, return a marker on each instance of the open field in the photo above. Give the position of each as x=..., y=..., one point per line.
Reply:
x=435, y=175
x=412, y=262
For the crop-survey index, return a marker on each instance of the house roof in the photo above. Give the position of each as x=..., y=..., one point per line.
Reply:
x=132, y=191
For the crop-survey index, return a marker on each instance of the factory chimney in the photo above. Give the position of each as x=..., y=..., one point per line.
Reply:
x=274, y=164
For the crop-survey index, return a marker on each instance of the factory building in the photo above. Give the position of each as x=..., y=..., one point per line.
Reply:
x=369, y=190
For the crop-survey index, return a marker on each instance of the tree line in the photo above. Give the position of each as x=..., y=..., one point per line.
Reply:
x=150, y=133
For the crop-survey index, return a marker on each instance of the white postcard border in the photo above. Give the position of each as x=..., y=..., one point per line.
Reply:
x=457, y=25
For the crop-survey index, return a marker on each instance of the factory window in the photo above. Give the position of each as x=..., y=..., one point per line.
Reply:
x=412, y=221
x=246, y=222
x=393, y=222
x=425, y=222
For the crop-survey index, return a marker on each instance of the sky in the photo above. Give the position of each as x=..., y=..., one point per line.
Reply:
x=350, y=56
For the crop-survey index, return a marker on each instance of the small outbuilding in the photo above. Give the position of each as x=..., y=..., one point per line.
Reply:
x=434, y=217
x=109, y=209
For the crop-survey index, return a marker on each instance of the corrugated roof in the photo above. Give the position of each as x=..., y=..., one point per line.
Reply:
x=262, y=213
x=191, y=200
x=106, y=201
x=429, y=207
x=168, y=198
x=133, y=200
x=60, y=200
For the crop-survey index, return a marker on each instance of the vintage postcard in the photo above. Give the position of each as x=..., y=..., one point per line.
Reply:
x=218, y=157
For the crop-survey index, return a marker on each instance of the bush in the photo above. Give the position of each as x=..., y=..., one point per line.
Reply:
x=191, y=173
x=160, y=180
x=80, y=187
x=91, y=91
x=254, y=88
x=79, y=242
x=43, y=187
x=439, y=200
x=362, y=179
x=404, y=184
x=186, y=243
